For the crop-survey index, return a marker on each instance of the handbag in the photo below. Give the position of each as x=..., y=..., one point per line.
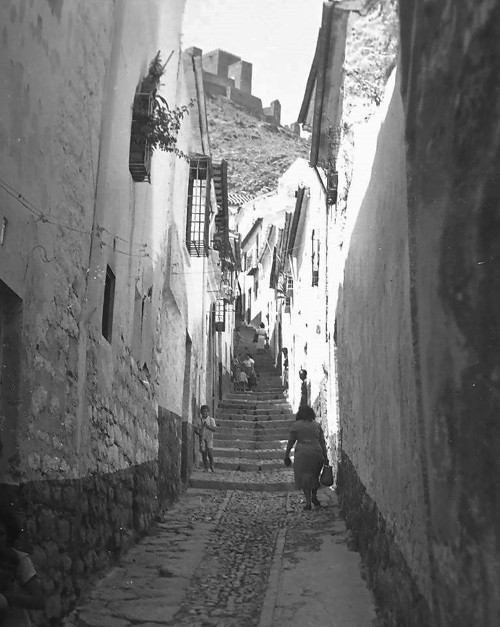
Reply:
x=326, y=476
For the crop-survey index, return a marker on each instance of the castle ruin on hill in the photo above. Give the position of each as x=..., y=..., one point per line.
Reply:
x=225, y=74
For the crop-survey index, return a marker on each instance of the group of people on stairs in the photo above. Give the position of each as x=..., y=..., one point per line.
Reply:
x=306, y=434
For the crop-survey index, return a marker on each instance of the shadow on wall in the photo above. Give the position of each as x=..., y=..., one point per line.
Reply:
x=332, y=437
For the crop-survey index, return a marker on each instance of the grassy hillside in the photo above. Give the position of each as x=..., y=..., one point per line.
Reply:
x=257, y=152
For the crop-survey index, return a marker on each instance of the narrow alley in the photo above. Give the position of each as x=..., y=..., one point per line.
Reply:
x=245, y=247
x=238, y=549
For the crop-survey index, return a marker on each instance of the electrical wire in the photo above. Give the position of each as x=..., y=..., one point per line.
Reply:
x=44, y=219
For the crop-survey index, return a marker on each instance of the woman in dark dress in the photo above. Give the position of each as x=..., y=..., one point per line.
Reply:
x=310, y=454
x=304, y=388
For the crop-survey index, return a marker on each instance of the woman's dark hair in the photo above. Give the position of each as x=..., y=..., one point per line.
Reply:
x=262, y=325
x=12, y=527
x=306, y=413
x=204, y=407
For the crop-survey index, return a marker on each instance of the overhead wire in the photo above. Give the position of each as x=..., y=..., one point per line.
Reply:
x=44, y=219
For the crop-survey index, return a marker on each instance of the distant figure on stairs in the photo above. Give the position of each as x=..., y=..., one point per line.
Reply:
x=240, y=378
x=206, y=435
x=249, y=368
x=261, y=338
x=305, y=389
x=284, y=367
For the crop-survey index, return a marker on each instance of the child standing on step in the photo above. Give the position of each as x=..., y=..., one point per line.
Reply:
x=206, y=433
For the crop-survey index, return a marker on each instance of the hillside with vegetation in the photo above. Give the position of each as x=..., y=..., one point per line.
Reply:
x=257, y=152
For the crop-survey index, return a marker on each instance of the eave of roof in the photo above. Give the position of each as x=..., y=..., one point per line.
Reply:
x=253, y=229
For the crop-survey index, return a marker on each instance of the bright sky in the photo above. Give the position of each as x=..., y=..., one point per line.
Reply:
x=277, y=36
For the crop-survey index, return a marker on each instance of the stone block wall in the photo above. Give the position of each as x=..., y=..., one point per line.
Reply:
x=213, y=81
x=241, y=72
x=74, y=529
x=218, y=62
x=399, y=600
x=189, y=448
x=273, y=113
x=252, y=103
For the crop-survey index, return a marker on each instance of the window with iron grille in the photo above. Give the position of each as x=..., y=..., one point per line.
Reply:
x=198, y=207
x=220, y=315
x=289, y=284
x=288, y=304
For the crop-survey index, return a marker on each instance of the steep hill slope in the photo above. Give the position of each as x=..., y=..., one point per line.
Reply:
x=257, y=152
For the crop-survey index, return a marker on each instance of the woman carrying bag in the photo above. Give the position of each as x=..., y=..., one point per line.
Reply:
x=310, y=454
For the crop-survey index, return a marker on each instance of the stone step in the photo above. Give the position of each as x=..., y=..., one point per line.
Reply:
x=251, y=432
x=255, y=422
x=254, y=398
x=243, y=464
x=252, y=419
x=265, y=386
x=253, y=436
x=253, y=425
x=246, y=442
x=272, y=481
x=267, y=383
x=224, y=436
x=266, y=374
x=235, y=453
x=251, y=445
x=245, y=410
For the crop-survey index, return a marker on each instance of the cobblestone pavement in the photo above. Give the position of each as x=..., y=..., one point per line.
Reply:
x=236, y=559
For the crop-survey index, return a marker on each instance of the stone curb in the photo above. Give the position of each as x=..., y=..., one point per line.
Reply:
x=274, y=580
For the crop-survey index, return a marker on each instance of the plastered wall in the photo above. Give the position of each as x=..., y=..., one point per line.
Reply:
x=452, y=118
x=376, y=371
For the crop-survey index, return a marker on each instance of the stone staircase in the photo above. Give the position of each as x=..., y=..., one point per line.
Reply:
x=251, y=437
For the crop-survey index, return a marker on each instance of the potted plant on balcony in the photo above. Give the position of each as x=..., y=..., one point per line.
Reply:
x=155, y=125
